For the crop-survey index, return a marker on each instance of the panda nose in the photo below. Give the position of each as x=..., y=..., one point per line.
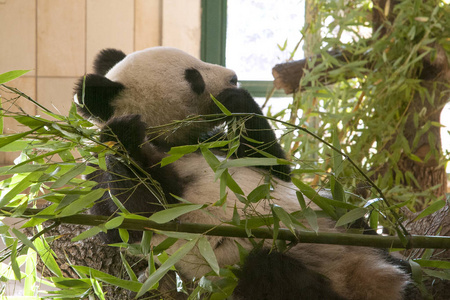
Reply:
x=234, y=80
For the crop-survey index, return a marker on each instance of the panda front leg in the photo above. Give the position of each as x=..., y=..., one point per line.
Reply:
x=257, y=128
x=133, y=175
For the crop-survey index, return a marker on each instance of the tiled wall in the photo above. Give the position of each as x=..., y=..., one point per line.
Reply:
x=59, y=39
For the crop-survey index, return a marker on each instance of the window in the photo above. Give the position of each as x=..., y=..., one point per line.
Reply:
x=250, y=37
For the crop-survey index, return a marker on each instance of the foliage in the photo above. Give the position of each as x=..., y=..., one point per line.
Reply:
x=367, y=108
x=352, y=121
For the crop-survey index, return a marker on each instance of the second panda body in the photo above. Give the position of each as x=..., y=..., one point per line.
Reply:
x=157, y=86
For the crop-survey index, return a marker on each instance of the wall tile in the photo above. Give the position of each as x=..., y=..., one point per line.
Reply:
x=18, y=35
x=12, y=103
x=147, y=24
x=181, y=26
x=56, y=94
x=61, y=38
x=110, y=24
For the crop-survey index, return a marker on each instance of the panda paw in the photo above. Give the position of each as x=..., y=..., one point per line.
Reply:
x=128, y=130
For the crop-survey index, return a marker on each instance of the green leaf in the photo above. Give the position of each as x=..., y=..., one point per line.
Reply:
x=114, y=223
x=431, y=209
x=29, y=286
x=176, y=153
x=87, y=234
x=124, y=235
x=127, y=266
x=146, y=242
x=337, y=190
x=440, y=264
x=235, y=219
x=170, y=214
x=23, y=238
x=8, y=76
x=221, y=106
x=260, y=192
x=351, y=216
x=118, y=203
x=210, y=158
x=46, y=255
x=8, y=139
x=164, y=268
x=337, y=157
x=309, y=192
x=311, y=218
x=72, y=173
x=14, y=264
x=208, y=254
x=22, y=185
x=438, y=274
x=232, y=184
x=125, y=284
x=252, y=162
x=284, y=217
x=82, y=203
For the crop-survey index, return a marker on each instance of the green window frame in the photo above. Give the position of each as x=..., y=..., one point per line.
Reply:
x=213, y=45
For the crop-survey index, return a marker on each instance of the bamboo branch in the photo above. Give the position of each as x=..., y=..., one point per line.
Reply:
x=375, y=241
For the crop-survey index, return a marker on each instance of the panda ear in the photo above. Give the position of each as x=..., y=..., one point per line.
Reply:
x=95, y=94
x=106, y=59
x=195, y=79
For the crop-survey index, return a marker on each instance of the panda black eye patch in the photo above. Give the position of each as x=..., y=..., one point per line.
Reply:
x=195, y=79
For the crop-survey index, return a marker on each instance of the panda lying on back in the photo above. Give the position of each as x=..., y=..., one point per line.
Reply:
x=153, y=87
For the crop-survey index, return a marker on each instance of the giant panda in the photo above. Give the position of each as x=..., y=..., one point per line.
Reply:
x=130, y=95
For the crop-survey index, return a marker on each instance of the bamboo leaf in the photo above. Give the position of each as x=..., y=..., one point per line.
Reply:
x=29, y=286
x=433, y=263
x=315, y=197
x=164, y=268
x=124, y=235
x=125, y=284
x=23, y=238
x=46, y=255
x=431, y=209
x=11, y=75
x=311, y=218
x=127, y=266
x=170, y=214
x=284, y=217
x=220, y=106
x=87, y=234
x=351, y=216
x=114, y=223
x=82, y=203
x=146, y=242
x=210, y=158
x=19, y=187
x=260, y=192
x=252, y=162
x=208, y=254
x=72, y=173
x=14, y=264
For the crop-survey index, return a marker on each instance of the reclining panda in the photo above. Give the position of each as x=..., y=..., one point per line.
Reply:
x=130, y=93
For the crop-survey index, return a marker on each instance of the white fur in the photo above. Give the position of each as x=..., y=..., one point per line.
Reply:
x=155, y=88
x=147, y=74
x=355, y=272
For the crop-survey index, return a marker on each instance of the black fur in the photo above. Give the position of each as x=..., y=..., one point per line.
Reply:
x=195, y=79
x=99, y=92
x=106, y=59
x=120, y=177
x=274, y=275
x=258, y=129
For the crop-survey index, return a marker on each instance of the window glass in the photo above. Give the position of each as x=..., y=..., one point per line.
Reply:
x=256, y=29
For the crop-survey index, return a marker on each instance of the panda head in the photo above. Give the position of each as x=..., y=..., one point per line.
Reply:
x=161, y=84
